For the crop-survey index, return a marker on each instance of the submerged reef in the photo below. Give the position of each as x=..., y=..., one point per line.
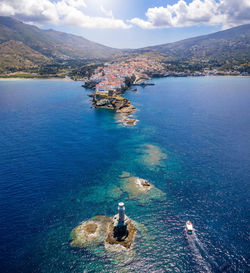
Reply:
x=139, y=188
x=126, y=119
x=129, y=187
x=91, y=232
x=151, y=156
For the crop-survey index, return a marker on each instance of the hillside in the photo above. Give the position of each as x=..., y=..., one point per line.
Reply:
x=50, y=43
x=16, y=54
x=230, y=47
x=24, y=46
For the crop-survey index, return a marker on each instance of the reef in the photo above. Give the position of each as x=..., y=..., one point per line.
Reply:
x=140, y=189
x=103, y=230
x=91, y=232
x=152, y=156
x=126, y=119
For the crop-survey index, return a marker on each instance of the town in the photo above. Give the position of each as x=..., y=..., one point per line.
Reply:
x=116, y=77
x=111, y=79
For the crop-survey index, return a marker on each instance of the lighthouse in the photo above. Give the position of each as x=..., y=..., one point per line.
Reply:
x=121, y=214
x=120, y=222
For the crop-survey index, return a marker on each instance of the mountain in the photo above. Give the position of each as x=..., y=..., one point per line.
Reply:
x=50, y=43
x=227, y=45
x=18, y=55
x=24, y=46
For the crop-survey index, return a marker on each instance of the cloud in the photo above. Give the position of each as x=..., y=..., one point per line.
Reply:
x=65, y=12
x=227, y=13
x=108, y=13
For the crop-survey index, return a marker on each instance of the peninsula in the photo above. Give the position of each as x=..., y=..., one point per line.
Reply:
x=112, y=79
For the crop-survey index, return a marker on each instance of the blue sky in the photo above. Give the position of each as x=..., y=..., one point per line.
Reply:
x=131, y=23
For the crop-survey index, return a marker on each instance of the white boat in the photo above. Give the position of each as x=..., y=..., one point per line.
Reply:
x=189, y=227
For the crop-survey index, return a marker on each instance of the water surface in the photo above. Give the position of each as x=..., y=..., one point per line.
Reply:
x=61, y=160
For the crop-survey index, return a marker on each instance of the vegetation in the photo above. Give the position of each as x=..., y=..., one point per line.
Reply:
x=224, y=50
x=49, y=53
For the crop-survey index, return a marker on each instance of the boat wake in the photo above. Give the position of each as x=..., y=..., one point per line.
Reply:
x=198, y=249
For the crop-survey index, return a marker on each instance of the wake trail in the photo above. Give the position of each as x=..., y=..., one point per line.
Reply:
x=192, y=240
x=201, y=245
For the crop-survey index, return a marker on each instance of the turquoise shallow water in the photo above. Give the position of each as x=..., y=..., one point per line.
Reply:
x=61, y=163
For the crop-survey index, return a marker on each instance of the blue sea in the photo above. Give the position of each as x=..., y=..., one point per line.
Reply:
x=61, y=162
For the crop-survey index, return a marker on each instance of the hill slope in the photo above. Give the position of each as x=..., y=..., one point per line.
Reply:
x=228, y=45
x=18, y=55
x=52, y=43
x=24, y=46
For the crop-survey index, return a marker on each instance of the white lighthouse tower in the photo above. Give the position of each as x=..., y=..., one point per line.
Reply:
x=121, y=214
x=120, y=222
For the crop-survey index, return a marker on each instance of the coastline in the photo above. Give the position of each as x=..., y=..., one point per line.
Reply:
x=132, y=157
x=34, y=79
x=65, y=79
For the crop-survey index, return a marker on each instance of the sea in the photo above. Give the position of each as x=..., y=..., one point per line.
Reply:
x=61, y=163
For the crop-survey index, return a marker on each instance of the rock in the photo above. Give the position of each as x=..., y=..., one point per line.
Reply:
x=126, y=241
x=116, y=102
x=143, y=184
x=119, y=104
x=91, y=232
x=102, y=229
x=129, y=121
x=140, y=189
x=103, y=103
x=126, y=109
x=89, y=85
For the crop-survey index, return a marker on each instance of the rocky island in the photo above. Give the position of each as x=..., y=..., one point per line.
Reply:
x=119, y=104
x=116, y=233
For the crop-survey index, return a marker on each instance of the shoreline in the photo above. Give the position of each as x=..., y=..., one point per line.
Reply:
x=34, y=79
x=63, y=79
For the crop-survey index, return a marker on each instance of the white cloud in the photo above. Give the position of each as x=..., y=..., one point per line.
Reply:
x=66, y=12
x=227, y=13
x=108, y=13
x=6, y=9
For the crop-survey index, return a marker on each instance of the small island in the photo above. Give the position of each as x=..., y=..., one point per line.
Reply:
x=140, y=189
x=116, y=233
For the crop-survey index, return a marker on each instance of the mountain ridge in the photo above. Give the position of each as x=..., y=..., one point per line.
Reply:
x=225, y=49
x=52, y=43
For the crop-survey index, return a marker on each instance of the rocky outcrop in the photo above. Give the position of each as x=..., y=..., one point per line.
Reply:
x=126, y=120
x=119, y=104
x=91, y=232
x=115, y=242
x=102, y=230
x=115, y=102
x=89, y=84
x=140, y=189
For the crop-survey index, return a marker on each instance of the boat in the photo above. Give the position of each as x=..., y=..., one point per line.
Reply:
x=189, y=227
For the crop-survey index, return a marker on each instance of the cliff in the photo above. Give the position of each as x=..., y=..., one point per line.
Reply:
x=117, y=103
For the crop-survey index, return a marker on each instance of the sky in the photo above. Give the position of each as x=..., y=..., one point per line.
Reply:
x=130, y=23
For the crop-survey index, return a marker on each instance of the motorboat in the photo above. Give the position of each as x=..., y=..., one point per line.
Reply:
x=189, y=227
